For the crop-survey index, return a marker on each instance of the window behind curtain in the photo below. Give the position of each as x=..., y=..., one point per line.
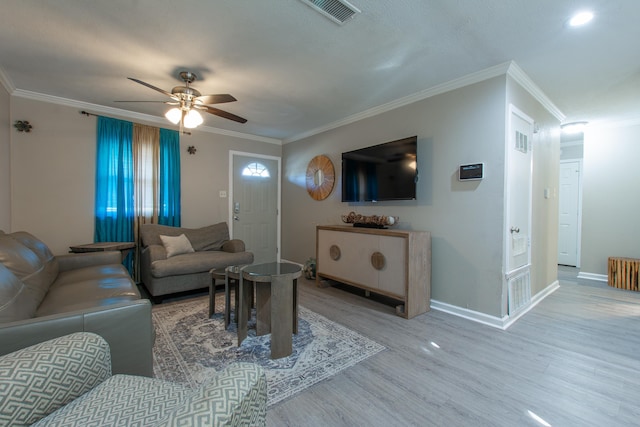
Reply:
x=146, y=154
x=137, y=180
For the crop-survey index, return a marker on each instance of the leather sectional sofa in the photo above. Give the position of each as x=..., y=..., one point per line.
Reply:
x=43, y=296
x=164, y=274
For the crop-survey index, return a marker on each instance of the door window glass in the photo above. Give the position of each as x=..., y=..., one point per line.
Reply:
x=256, y=169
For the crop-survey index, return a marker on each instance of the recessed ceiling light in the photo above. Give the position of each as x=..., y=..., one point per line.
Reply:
x=580, y=19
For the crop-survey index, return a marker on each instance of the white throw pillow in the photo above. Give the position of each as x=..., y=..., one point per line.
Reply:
x=176, y=245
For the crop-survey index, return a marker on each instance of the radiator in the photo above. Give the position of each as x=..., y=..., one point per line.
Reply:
x=519, y=291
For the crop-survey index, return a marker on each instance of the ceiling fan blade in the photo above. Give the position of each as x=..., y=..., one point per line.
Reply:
x=169, y=94
x=215, y=99
x=162, y=102
x=223, y=113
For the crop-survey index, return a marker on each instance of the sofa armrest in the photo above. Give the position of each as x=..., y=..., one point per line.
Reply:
x=153, y=253
x=236, y=396
x=127, y=327
x=74, y=261
x=40, y=379
x=233, y=245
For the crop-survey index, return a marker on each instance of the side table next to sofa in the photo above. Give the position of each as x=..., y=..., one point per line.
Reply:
x=123, y=247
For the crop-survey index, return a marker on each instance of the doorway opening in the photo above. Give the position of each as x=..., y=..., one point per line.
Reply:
x=570, y=199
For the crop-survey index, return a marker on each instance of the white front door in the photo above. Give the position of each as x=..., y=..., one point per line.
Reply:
x=255, y=203
x=569, y=210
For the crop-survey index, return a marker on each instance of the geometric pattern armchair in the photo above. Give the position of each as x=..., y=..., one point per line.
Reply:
x=67, y=381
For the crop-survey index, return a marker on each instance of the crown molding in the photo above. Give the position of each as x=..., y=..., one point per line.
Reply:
x=6, y=81
x=101, y=109
x=463, y=81
x=517, y=74
x=240, y=135
x=509, y=68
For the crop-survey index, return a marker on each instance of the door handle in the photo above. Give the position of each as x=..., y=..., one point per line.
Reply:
x=515, y=230
x=236, y=218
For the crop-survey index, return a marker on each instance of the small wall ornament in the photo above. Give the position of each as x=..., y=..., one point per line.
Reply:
x=22, y=126
x=191, y=149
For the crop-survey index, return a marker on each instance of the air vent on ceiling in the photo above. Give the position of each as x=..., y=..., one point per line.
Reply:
x=339, y=11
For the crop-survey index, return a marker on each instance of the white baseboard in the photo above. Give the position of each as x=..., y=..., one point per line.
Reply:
x=494, y=321
x=475, y=316
x=535, y=300
x=593, y=276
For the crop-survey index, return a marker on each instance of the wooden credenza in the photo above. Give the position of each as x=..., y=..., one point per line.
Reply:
x=394, y=263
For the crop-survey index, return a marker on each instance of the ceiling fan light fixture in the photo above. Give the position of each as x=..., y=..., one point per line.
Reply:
x=174, y=115
x=186, y=99
x=192, y=119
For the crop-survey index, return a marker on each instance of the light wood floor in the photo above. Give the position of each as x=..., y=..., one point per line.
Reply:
x=574, y=360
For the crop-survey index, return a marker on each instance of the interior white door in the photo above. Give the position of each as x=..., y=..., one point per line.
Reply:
x=569, y=209
x=254, y=204
x=519, y=184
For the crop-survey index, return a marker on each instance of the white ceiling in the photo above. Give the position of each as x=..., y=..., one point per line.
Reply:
x=294, y=71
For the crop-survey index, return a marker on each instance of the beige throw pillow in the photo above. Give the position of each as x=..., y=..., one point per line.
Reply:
x=176, y=245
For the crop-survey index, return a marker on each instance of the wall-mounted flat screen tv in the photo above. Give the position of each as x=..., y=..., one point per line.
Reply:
x=382, y=172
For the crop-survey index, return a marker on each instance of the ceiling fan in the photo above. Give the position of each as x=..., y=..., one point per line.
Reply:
x=187, y=101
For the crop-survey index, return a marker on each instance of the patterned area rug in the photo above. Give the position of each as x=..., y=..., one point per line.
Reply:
x=190, y=348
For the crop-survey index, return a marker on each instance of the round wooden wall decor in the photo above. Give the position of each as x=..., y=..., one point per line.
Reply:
x=320, y=177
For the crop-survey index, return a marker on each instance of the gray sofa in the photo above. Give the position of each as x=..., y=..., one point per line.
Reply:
x=163, y=275
x=68, y=381
x=43, y=296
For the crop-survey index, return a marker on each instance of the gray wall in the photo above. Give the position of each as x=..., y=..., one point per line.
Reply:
x=466, y=219
x=53, y=173
x=52, y=170
x=5, y=161
x=610, y=194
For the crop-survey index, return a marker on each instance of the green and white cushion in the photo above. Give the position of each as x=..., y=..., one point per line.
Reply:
x=38, y=380
x=122, y=400
x=235, y=397
x=67, y=382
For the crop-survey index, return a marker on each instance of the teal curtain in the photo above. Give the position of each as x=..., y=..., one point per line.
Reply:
x=114, y=205
x=169, y=176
